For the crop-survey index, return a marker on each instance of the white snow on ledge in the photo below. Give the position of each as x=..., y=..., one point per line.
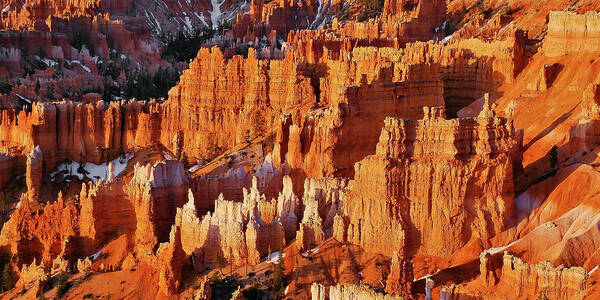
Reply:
x=499, y=249
x=94, y=256
x=94, y=172
x=274, y=257
x=216, y=14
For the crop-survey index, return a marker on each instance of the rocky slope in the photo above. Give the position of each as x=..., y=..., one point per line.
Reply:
x=311, y=149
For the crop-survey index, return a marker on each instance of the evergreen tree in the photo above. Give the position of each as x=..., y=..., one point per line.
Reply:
x=553, y=154
x=185, y=160
x=63, y=284
x=231, y=264
x=278, y=273
x=221, y=261
x=5, y=87
x=3, y=201
x=50, y=92
x=481, y=6
x=8, y=282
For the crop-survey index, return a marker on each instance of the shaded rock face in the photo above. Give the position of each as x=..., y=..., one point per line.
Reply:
x=430, y=216
x=184, y=16
x=156, y=191
x=141, y=211
x=401, y=277
x=106, y=212
x=41, y=234
x=8, y=168
x=171, y=258
x=585, y=134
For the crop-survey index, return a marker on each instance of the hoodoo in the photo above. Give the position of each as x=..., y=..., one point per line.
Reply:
x=299, y=149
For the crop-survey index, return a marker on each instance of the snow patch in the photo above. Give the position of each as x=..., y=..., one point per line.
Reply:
x=215, y=14
x=94, y=172
x=74, y=61
x=49, y=62
x=23, y=98
x=201, y=17
x=309, y=252
x=168, y=155
x=427, y=276
x=95, y=255
x=274, y=257
x=446, y=39
x=153, y=22
x=319, y=11
x=188, y=24
x=499, y=249
x=194, y=168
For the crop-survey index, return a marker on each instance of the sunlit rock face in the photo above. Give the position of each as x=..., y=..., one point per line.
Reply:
x=397, y=149
x=433, y=184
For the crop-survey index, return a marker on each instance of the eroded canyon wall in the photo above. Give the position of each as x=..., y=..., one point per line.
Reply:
x=569, y=32
x=403, y=191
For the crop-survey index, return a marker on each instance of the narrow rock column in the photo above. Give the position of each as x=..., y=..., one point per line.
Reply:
x=399, y=282
x=33, y=176
x=486, y=268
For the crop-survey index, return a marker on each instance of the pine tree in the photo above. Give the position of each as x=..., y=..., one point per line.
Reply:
x=8, y=281
x=3, y=201
x=50, y=91
x=185, y=160
x=278, y=270
x=553, y=157
x=37, y=87
x=231, y=264
x=221, y=261
x=63, y=284
x=481, y=6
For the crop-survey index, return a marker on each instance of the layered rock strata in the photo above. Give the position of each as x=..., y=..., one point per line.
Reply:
x=82, y=132
x=569, y=32
x=525, y=281
x=156, y=192
x=350, y=291
x=234, y=231
x=408, y=177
